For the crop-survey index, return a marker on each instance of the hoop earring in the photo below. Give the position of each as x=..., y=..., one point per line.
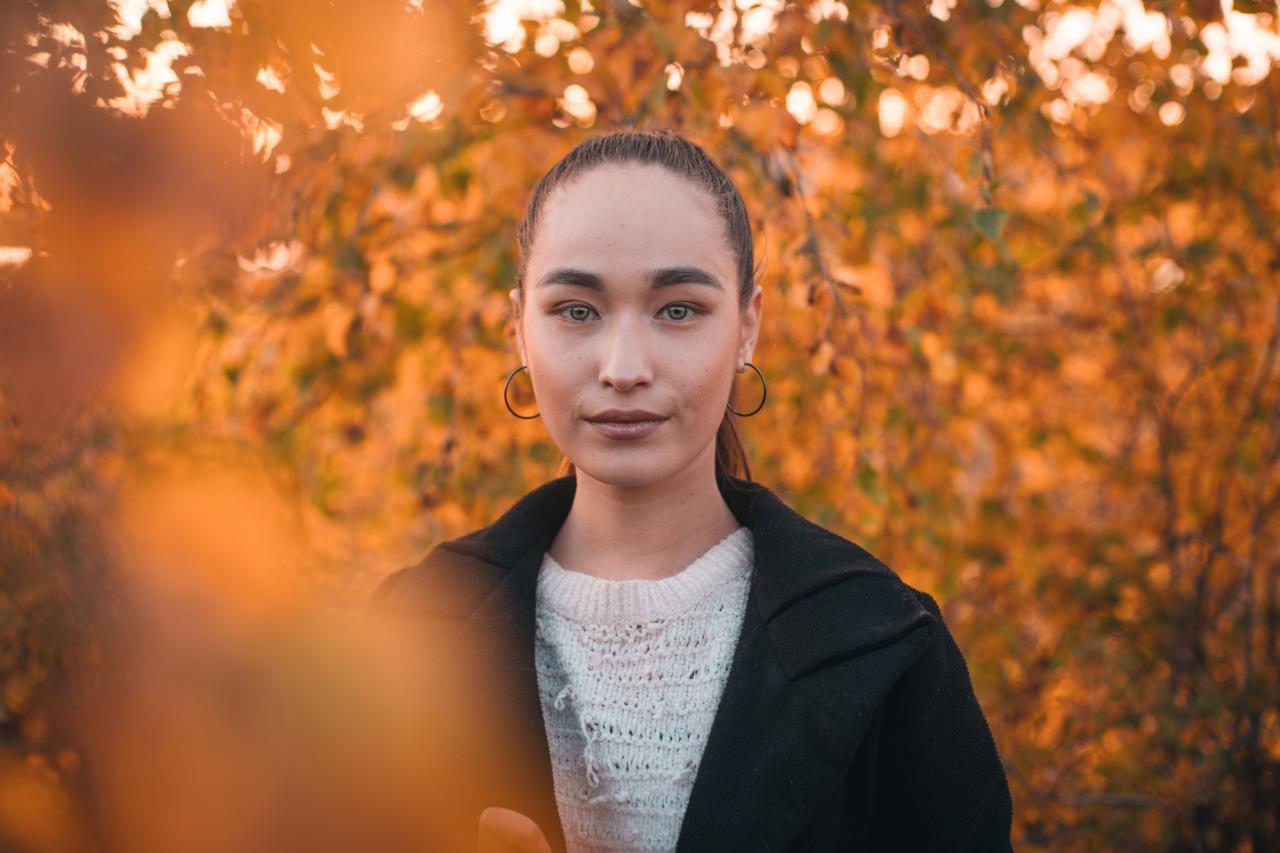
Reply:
x=764, y=392
x=508, y=402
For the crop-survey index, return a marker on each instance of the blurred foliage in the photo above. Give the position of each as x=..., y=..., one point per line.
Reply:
x=1022, y=322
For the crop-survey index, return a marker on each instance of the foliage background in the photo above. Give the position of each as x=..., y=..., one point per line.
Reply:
x=1022, y=323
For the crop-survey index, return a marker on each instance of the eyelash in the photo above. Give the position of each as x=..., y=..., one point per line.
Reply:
x=560, y=311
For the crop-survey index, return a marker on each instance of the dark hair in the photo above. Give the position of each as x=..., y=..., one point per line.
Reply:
x=667, y=148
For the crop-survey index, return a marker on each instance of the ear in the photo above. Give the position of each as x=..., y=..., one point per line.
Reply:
x=517, y=321
x=751, y=325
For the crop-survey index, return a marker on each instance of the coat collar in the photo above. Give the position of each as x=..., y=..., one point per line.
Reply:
x=827, y=631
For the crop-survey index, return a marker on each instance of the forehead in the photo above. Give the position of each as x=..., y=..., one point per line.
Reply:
x=633, y=217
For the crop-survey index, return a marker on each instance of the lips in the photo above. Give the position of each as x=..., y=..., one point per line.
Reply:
x=625, y=416
x=627, y=429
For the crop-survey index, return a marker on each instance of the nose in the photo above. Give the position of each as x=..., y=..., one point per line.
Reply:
x=624, y=361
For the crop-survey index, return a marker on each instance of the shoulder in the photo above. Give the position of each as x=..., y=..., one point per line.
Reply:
x=945, y=785
x=942, y=665
x=851, y=602
x=938, y=669
x=443, y=584
x=934, y=709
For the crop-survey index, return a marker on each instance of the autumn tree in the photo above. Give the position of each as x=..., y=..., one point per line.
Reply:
x=1022, y=323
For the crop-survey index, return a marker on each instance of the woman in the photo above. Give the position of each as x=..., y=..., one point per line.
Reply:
x=687, y=663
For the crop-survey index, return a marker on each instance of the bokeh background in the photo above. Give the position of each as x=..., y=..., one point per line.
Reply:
x=1022, y=320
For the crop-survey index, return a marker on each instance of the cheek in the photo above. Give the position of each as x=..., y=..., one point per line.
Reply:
x=705, y=388
x=561, y=375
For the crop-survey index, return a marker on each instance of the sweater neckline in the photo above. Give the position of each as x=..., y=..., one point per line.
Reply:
x=581, y=597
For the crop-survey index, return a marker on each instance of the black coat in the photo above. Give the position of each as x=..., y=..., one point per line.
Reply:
x=848, y=721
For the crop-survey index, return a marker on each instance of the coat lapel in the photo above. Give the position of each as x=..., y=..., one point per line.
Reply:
x=827, y=631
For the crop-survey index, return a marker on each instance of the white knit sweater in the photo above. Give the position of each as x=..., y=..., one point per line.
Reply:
x=630, y=674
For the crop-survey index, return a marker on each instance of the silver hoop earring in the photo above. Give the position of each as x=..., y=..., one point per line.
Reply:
x=764, y=392
x=508, y=402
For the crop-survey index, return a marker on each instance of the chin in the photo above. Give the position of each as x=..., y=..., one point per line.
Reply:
x=640, y=470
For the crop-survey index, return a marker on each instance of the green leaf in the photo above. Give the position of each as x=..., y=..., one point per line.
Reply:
x=1172, y=317
x=990, y=221
x=410, y=321
x=869, y=483
x=1091, y=202
x=440, y=409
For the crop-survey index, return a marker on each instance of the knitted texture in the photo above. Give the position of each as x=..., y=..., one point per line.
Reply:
x=630, y=673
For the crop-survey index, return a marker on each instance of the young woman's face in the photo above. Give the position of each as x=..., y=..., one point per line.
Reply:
x=632, y=303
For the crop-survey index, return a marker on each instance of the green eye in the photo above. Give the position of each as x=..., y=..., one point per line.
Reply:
x=687, y=311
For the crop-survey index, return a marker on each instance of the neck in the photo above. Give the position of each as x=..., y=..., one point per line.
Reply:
x=643, y=532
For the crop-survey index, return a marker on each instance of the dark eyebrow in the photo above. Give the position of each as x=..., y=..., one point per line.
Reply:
x=664, y=277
